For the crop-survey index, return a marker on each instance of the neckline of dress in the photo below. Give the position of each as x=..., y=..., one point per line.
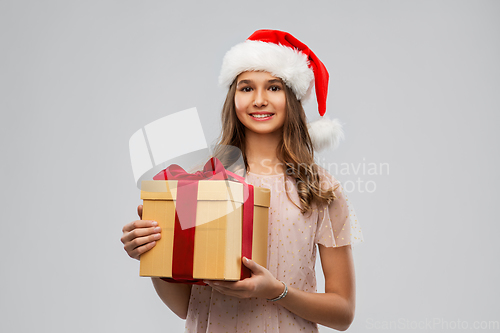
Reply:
x=259, y=175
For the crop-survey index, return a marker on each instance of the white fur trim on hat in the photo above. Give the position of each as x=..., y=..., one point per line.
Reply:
x=325, y=133
x=290, y=65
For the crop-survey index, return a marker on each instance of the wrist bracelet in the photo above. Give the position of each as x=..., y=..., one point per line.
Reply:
x=283, y=294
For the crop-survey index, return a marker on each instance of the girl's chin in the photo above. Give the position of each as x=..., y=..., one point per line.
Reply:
x=261, y=130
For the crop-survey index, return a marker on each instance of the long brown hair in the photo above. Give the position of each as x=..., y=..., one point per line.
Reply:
x=295, y=150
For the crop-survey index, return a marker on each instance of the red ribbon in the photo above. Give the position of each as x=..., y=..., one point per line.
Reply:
x=187, y=193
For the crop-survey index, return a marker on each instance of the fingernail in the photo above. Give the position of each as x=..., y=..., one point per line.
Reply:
x=157, y=236
x=157, y=229
x=154, y=223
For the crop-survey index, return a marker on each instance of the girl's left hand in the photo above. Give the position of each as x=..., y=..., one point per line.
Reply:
x=261, y=284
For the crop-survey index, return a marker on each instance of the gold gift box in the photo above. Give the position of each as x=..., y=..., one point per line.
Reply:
x=218, y=233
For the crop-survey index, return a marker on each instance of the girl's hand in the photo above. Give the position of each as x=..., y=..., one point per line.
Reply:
x=261, y=284
x=140, y=236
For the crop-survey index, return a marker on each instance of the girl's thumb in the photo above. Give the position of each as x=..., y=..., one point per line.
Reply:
x=250, y=264
x=139, y=211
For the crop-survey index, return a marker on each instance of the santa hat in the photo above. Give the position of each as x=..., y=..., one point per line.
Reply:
x=284, y=56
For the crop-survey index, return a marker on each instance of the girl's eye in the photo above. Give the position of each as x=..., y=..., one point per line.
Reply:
x=275, y=88
x=246, y=89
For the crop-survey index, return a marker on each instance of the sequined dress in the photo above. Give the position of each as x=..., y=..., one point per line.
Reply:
x=293, y=239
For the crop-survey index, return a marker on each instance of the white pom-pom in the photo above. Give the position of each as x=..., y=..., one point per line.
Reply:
x=325, y=133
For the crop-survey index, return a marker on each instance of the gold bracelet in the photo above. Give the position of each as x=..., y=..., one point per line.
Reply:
x=283, y=294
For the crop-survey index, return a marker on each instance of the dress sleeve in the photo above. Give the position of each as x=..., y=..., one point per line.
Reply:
x=337, y=223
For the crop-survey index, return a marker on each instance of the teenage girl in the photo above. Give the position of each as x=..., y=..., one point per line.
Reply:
x=268, y=76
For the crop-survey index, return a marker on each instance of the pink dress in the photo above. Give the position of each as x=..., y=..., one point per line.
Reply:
x=291, y=258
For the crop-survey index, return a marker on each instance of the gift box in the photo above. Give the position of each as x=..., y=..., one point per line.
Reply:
x=207, y=226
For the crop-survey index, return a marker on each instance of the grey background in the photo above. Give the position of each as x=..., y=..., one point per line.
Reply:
x=415, y=82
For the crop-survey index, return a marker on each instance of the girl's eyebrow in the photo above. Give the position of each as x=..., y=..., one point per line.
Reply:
x=274, y=81
x=250, y=81
x=244, y=82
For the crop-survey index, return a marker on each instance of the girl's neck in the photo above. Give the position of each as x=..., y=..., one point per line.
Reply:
x=261, y=152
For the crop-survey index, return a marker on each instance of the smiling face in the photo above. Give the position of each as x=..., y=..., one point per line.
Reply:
x=260, y=102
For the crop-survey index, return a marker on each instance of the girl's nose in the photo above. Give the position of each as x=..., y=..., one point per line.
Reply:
x=260, y=98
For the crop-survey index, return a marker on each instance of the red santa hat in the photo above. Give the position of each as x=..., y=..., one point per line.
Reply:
x=284, y=56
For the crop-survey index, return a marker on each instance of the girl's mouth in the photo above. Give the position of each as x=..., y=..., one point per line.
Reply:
x=261, y=116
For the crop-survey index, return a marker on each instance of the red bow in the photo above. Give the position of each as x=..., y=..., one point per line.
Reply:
x=213, y=170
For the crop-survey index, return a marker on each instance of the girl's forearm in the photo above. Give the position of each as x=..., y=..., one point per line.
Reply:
x=174, y=295
x=328, y=309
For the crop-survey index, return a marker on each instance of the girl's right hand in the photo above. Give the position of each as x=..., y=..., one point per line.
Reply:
x=140, y=236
